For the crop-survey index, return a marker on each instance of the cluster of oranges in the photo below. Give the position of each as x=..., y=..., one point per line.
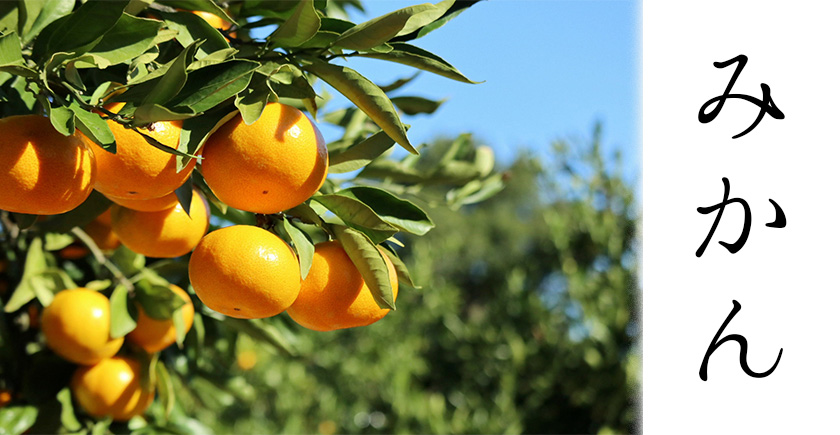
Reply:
x=242, y=271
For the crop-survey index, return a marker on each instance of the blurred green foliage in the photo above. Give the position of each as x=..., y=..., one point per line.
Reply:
x=524, y=324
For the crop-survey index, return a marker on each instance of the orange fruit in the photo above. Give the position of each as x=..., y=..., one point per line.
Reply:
x=215, y=21
x=246, y=360
x=138, y=170
x=154, y=204
x=77, y=326
x=42, y=171
x=5, y=397
x=154, y=335
x=112, y=388
x=334, y=294
x=162, y=234
x=272, y=165
x=245, y=272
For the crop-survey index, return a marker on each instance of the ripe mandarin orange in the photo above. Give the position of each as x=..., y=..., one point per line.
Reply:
x=215, y=21
x=334, y=294
x=42, y=171
x=154, y=335
x=272, y=165
x=154, y=204
x=102, y=232
x=162, y=234
x=112, y=388
x=77, y=326
x=138, y=170
x=245, y=272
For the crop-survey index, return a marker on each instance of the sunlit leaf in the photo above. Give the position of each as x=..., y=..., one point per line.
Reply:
x=369, y=261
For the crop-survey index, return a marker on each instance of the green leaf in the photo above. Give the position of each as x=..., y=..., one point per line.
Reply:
x=357, y=215
x=415, y=105
x=427, y=17
x=10, y=53
x=402, y=271
x=151, y=113
x=56, y=241
x=123, y=313
x=128, y=261
x=63, y=120
x=68, y=416
x=207, y=87
x=158, y=301
x=94, y=127
x=51, y=11
x=213, y=58
x=298, y=28
x=421, y=59
x=98, y=285
x=129, y=38
x=192, y=28
x=398, y=212
x=306, y=214
x=288, y=81
x=180, y=327
x=79, y=31
x=195, y=131
x=171, y=83
x=379, y=30
x=164, y=388
x=303, y=246
x=36, y=264
x=185, y=194
x=366, y=96
x=369, y=261
x=17, y=419
x=476, y=191
x=252, y=101
x=399, y=83
x=360, y=154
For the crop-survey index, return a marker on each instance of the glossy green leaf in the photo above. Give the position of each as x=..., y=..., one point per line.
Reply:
x=303, y=246
x=192, y=28
x=213, y=58
x=94, y=127
x=180, y=327
x=421, y=59
x=357, y=215
x=158, y=301
x=79, y=31
x=360, y=154
x=298, y=28
x=129, y=38
x=63, y=120
x=17, y=419
x=366, y=96
x=369, y=261
x=379, y=30
x=123, y=312
x=288, y=81
x=207, y=87
x=403, y=274
x=10, y=53
x=128, y=261
x=306, y=214
x=416, y=105
x=398, y=212
x=171, y=83
x=185, y=194
x=195, y=131
x=252, y=101
x=151, y=113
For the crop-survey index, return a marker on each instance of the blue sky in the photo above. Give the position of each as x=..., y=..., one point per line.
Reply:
x=551, y=69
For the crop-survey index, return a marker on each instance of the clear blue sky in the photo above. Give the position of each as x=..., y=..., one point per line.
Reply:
x=551, y=69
